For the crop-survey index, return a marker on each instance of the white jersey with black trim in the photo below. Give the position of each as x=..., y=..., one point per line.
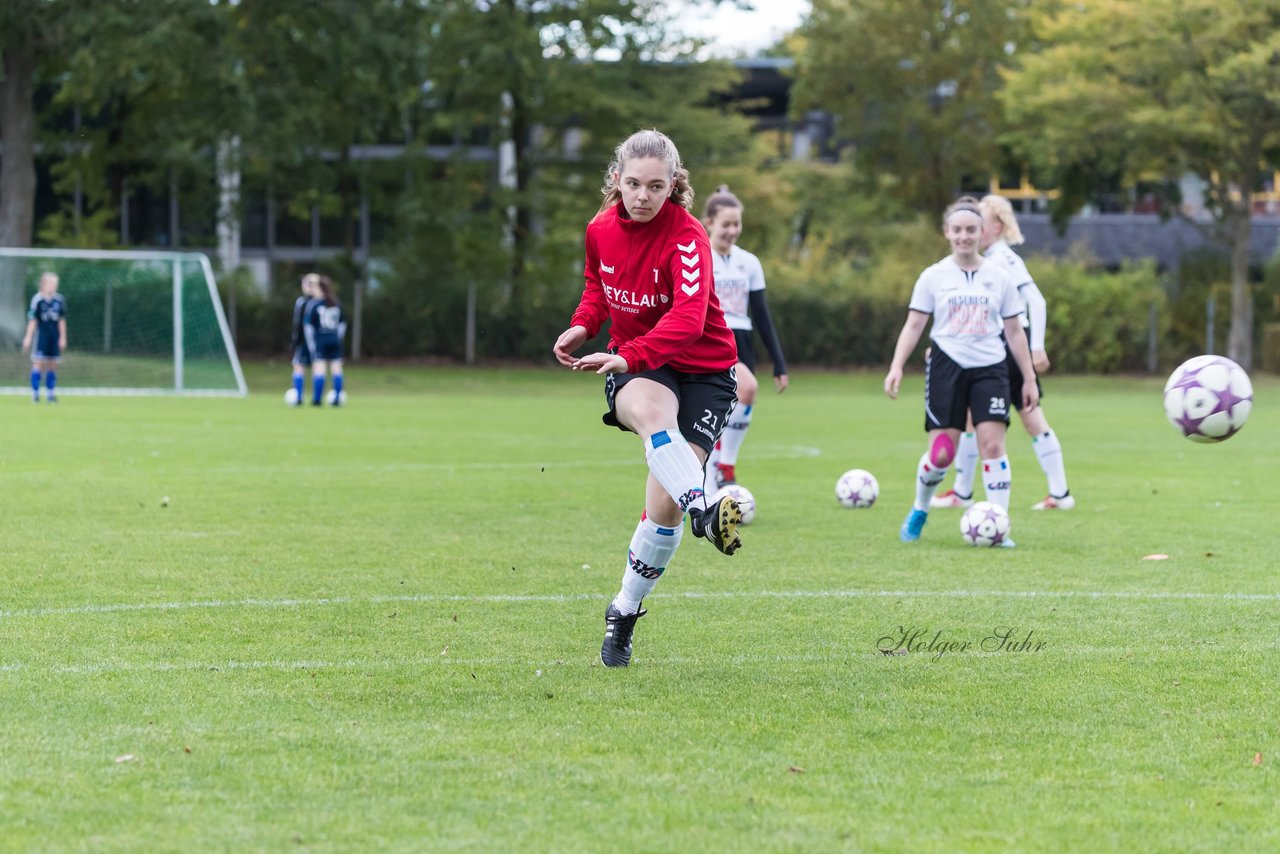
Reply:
x=1034, y=308
x=969, y=308
x=737, y=275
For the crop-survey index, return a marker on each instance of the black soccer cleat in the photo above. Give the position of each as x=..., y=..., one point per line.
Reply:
x=618, y=628
x=718, y=524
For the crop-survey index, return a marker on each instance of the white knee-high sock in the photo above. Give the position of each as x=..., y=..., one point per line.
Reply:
x=997, y=477
x=966, y=464
x=676, y=467
x=652, y=547
x=928, y=476
x=735, y=432
x=1049, y=452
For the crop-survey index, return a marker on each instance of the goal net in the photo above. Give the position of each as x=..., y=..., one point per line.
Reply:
x=137, y=323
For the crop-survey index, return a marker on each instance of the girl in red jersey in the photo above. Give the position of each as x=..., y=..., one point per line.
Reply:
x=669, y=367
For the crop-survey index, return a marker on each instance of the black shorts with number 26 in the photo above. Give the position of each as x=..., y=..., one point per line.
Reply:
x=704, y=400
x=951, y=392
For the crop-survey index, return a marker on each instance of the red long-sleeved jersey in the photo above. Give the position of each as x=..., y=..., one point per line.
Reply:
x=654, y=281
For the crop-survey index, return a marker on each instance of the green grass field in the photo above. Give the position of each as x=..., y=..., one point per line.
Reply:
x=377, y=628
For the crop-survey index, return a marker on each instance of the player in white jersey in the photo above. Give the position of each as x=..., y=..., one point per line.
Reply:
x=1000, y=232
x=740, y=288
x=972, y=300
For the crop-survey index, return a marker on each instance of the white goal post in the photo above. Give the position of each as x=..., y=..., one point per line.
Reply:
x=138, y=323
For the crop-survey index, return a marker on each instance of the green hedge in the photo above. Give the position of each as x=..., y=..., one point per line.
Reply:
x=829, y=310
x=834, y=314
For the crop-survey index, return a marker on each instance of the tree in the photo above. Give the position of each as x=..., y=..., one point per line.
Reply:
x=912, y=82
x=555, y=86
x=1158, y=88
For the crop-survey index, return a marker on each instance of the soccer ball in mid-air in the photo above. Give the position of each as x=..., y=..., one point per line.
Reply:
x=337, y=398
x=742, y=495
x=857, y=488
x=985, y=524
x=291, y=397
x=1208, y=398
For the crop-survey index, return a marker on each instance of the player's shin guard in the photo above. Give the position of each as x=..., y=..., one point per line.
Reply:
x=735, y=433
x=317, y=389
x=35, y=383
x=337, y=385
x=297, y=384
x=51, y=380
x=997, y=478
x=966, y=464
x=676, y=467
x=928, y=476
x=652, y=547
x=1049, y=452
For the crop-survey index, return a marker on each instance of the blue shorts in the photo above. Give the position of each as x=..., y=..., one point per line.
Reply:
x=46, y=349
x=328, y=351
x=301, y=355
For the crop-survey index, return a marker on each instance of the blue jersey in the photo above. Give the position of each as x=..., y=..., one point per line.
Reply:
x=47, y=312
x=325, y=328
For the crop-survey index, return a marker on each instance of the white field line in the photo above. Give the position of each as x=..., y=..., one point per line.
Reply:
x=540, y=667
x=199, y=604
x=778, y=452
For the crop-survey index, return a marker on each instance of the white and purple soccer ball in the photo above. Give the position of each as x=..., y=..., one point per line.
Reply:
x=1208, y=398
x=742, y=495
x=985, y=524
x=857, y=489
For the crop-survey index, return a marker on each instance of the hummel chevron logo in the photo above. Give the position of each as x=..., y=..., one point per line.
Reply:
x=690, y=290
x=691, y=275
x=604, y=269
x=689, y=248
x=689, y=260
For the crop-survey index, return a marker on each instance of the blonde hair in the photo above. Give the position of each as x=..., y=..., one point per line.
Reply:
x=1001, y=209
x=721, y=198
x=49, y=275
x=642, y=144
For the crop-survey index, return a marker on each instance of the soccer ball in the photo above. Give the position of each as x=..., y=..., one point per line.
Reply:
x=1208, y=398
x=985, y=524
x=742, y=495
x=857, y=488
x=336, y=399
x=291, y=397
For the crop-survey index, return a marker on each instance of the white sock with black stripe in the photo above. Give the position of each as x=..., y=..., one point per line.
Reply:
x=652, y=547
x=997, y=477
x=928, y=476
x=676, y=467
x=966, y=464
x=735, y=433
x=1049, y=452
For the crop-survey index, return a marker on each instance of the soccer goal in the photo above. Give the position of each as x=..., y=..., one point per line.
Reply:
x=138, y=323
